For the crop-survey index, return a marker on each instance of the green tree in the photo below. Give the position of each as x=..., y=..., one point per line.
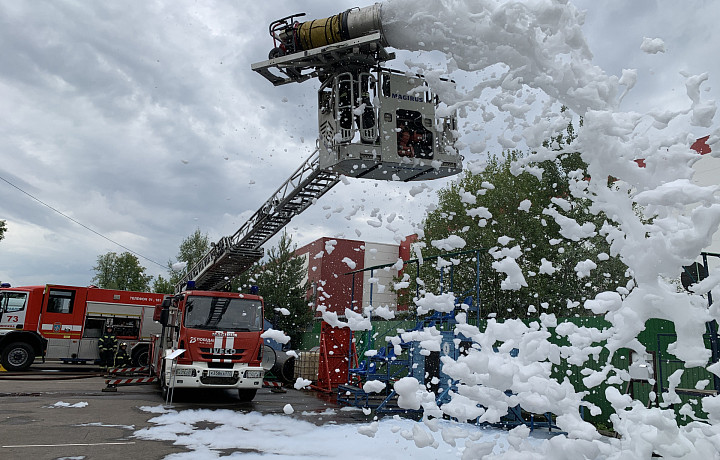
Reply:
x=163, y=286
x=3, y=229
x=122, y=272
x=279, y=277
x=190, y=252
x=498, y=209
x=193, y=248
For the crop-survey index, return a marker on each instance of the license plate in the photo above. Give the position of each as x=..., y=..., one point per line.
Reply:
x=253, y=374
x=217, y=373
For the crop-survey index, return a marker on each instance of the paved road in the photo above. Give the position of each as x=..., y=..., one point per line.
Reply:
x=33, y=426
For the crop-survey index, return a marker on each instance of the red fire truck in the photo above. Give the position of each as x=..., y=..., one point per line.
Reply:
x=65, y=323
x=220, y=335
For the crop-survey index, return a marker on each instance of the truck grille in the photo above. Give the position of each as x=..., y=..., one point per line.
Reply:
x=219, y=380
x=210, y=356
x=207, y=354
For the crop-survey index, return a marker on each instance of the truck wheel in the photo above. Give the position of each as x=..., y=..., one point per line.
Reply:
x=246, y=394
x=140, y=357
x=17, y=356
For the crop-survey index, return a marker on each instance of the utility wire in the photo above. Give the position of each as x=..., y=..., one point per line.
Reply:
x=81, y=224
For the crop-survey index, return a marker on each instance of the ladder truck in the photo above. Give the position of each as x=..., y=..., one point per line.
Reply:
x=209, y=340
x=373, y=123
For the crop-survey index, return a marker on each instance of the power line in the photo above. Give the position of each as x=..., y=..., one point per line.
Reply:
x=80, y=223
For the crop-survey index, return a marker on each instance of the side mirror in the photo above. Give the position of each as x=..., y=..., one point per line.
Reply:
x=161, y=314
x=162, y=311
x=164, y=316
x=157, y=312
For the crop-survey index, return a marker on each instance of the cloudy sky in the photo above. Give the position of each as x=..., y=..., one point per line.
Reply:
x=143, y=122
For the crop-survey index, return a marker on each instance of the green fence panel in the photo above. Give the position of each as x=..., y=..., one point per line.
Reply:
x=309, y=339
x=656, y=336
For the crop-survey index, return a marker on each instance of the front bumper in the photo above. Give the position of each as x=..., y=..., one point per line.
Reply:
x=198, y=375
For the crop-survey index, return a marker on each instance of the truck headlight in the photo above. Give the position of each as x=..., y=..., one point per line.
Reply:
x=253, y=374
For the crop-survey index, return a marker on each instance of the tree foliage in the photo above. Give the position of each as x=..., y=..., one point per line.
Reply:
x=500, y=209
x=3, y=229
x=280, y=279
x=122, y=272
x=193, y=248
x=161, y=285
x=190, y=252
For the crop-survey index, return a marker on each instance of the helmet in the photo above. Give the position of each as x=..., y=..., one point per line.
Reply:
x=124, y=344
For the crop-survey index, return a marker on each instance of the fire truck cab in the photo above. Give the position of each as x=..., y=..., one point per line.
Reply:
x=210, y=340
x=65, y=323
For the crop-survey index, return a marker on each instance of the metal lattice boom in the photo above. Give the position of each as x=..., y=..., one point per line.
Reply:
x=232, y=255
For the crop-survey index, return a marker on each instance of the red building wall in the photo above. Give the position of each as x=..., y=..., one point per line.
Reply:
x=405, y=246
x=327, y=271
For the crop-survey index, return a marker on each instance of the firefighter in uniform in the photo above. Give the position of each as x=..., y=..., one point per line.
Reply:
x=122, y=359
x=106, y=345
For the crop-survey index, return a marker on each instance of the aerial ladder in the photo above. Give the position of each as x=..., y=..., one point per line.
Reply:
x=234, y=254
x=373, y=123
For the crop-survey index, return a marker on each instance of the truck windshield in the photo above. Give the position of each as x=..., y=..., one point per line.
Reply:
x=223, y=313
x=12, y=301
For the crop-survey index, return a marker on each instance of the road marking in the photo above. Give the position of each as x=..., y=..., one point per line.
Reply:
x=73, y=444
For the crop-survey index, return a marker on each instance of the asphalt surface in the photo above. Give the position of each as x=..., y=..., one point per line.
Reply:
x=34, y=423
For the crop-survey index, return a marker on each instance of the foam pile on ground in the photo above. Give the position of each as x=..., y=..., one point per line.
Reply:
x=65, y=404
x=253, y=435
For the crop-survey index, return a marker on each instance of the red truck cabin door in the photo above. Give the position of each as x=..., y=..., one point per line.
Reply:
x=13, y=306
x=62, y=319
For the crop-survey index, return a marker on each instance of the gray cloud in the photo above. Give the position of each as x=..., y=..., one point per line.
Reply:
x=144, y=121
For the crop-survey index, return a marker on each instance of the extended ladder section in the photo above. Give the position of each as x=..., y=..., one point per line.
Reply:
x=233, y=255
